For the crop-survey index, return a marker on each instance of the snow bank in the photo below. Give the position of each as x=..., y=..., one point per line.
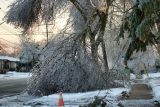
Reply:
x=14, y=75
x=132, y=76
x=151, y=75
x=70, y=99
x=16, y=101
x=76, y=99
x=146, y=76
x=154, y=82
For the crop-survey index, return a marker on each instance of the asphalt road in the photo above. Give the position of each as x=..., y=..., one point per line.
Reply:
x=12, y=87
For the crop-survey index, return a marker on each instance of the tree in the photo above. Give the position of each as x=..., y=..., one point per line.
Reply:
x=71, y=61
x=29, y=54
x=95, y=14
x=142, y=24
x=30, y=51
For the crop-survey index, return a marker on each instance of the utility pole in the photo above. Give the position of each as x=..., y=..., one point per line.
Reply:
x=47, y=31
x=124, y=6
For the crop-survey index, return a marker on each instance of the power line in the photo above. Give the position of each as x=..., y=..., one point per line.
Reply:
x=6, y=29
x=15, y=44
x=11, y=34
x=2, y=22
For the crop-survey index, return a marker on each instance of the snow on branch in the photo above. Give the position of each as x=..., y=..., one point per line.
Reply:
x=67, y=66
x=26, y=13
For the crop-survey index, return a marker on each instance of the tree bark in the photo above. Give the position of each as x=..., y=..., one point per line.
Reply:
x=103, y=18
x=94, y=48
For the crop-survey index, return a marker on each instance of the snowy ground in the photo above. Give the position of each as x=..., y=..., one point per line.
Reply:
x=154, y=82
x=76, y=99
x=14, y=75
x=70, y=99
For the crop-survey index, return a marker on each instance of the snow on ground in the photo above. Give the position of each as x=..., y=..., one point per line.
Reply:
x=154, y=82
x=14, y=75
x=15, y=101
x=70, y=99
x=76, y=99
x=132, y=76
x=146, y=76
x=151, y=75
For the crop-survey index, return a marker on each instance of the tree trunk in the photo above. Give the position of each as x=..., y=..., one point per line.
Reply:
x=94, y=48
x=103, y=17
x=105, y=56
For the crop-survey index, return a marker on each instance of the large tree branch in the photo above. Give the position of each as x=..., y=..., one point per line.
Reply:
x=79, y=8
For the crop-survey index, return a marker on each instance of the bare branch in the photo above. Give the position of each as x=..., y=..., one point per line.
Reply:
x=79, y=8
x=93, y=4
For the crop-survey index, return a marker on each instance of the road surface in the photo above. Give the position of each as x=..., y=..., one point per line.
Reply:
x=12, y=87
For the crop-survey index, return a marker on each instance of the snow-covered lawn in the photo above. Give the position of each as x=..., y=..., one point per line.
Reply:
x=154, y=82
x=76, y=99
x=70, y=99
x=14, y=75
x=151, y=75
x=146, y=76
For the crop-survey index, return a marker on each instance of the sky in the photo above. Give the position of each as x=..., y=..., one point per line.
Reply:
x=9, y=35
x=7, y=31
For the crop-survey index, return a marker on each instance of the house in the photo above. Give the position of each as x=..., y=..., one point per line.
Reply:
x=8, y=64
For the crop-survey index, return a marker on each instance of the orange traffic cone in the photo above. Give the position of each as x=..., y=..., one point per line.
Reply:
x=60, y=100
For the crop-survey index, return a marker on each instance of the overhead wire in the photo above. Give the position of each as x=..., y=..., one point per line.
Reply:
x=2, y=16
x=15, y=44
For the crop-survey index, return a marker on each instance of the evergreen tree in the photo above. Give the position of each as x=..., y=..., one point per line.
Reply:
x=142, y=22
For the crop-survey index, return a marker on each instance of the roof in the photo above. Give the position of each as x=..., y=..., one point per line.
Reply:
x=9, y=58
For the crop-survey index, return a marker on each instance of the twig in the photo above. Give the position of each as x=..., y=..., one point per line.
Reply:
x=92, y=4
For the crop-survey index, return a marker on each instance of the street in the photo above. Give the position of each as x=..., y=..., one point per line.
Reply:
x=12, y=87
